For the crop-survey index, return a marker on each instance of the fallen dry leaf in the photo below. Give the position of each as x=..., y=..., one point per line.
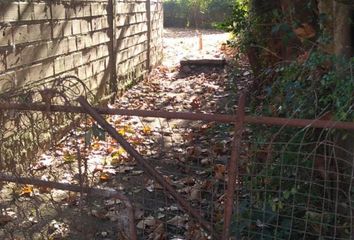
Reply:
x=4, y=219
x=146, y=130
x=219, y=171
x=147, y=222
x=104, y=177
x=26, y=191
x=178, y=221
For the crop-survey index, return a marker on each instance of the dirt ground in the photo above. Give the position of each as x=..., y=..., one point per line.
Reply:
x=191, y=155
x=182, y=43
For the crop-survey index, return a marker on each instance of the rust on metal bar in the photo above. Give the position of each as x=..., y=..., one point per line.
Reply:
x=223, y=118
x=313, y=123
x=127, y=112
x=232, y=167
x=76, y=188
x=144, y=164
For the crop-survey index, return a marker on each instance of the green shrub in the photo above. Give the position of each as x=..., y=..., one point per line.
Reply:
x=196, y=13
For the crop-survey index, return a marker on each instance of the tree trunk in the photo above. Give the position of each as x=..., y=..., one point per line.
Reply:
x=326, y=12
x=342, y=30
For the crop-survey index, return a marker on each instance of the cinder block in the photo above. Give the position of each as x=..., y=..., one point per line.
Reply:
x=64, y=46
x=41, y=11
x=97, y=23
x=77, y=59
x=102, y=51
x=61, y=29
x=34, y=53
x=9, y=12
x=87, y=10
x=89, y=55
x=45, y=31
x=85, y=26
x=72, y=44
x=104, y=37
x=76, y=27
x=98, y=9
x=94, y=9
x=141, y=17
x=104, y=21
x=2, y=62
x=89, y=72
x=20, y=34
x=47, y=69
x=8, y=81
x=13, y=59
x=26, y=11
x=107, y=62
x=80, y=43
x=58, y=11
x=96, y=67
x=58, y=47
x=59, y=65
x=70, y=12
x=79, y=11
x=5, y=36
x=96, y=38
x=22, y=76
x=81, y=72
x=69, y=62
x=26, y=55
x=51, y=48
x=34, y=73
x=58, y=31
x=36, y=32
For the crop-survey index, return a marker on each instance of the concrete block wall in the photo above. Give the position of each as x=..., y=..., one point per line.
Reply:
x=133, y=40
x=41, y=40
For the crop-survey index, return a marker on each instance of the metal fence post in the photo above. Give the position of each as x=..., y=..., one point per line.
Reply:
x=232, y=167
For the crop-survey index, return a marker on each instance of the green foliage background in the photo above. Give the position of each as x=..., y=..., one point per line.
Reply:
x=196, y=13
x=286, y=197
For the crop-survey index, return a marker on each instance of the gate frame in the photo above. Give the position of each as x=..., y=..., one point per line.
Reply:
x=239, y=120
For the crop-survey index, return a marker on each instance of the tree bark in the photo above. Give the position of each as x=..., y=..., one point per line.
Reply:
x=342, y=30
x=326, y=12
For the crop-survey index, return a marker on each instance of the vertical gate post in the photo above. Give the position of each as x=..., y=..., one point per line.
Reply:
x=233, y=167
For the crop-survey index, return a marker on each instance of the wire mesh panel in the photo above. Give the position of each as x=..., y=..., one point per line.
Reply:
x=191, y=156
x=290, y=184
x=24, y=133
x=50, y=146
x=295, y=184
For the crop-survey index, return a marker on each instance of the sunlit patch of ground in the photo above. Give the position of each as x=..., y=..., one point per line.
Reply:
x=180, y=43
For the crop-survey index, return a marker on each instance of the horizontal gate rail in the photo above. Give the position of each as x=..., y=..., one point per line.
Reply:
x=222, y=118
x=108, y=193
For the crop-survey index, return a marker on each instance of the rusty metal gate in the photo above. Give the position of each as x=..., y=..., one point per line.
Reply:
x=281, y=186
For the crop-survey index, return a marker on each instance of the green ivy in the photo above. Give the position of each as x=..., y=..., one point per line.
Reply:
x=322, y=84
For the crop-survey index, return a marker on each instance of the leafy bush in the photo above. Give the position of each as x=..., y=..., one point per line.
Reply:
x=288, y=194
x=323, y=83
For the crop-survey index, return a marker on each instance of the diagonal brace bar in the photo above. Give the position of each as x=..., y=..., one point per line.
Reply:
x=144, y=164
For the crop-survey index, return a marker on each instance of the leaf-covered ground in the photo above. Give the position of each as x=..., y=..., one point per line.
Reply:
x=191, y=155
